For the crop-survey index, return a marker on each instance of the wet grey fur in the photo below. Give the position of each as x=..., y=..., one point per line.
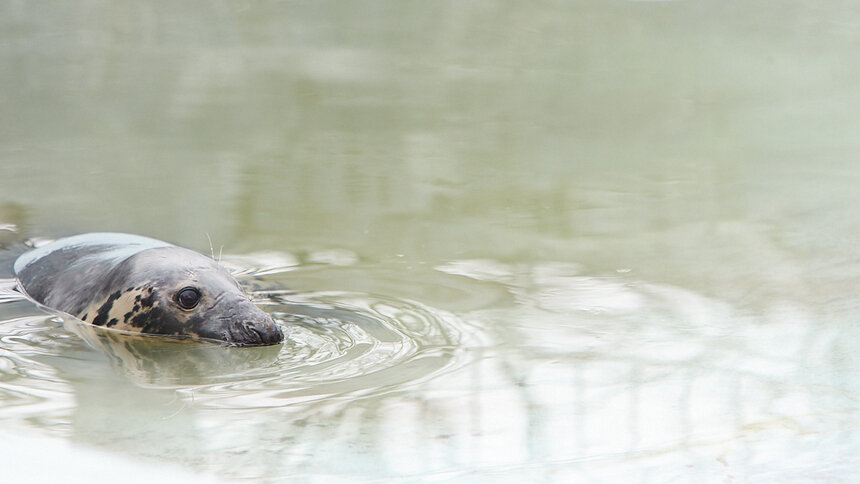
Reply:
x=131, y=283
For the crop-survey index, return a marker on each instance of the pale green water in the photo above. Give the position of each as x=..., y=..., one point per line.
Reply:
x=554, y=241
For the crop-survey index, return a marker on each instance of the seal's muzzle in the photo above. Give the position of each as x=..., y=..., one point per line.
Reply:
x=254, y=333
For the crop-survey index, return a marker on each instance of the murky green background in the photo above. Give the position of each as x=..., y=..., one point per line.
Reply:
x=640, y=219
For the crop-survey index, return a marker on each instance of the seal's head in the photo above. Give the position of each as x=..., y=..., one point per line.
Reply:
x=175, y=291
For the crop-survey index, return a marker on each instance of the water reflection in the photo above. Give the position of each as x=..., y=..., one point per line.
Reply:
x=613, y=367
x=575, y=375
x=158, y=361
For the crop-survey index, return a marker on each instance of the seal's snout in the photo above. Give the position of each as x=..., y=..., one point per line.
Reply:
x=258, y=332
x=267, y=333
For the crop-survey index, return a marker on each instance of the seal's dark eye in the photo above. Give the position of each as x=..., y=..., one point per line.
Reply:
x=188, y=298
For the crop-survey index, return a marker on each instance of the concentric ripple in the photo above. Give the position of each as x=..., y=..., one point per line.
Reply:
x=342, y=344
x=336, y=344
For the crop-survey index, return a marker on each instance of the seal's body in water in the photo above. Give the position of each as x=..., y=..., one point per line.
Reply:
x=143, y=285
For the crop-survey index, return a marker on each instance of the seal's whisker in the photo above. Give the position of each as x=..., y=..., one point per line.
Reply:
x=211, y=248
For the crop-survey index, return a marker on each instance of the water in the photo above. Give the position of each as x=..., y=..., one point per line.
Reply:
x=573, y=241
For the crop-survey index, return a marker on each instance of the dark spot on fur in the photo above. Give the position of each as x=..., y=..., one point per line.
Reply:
x=149, y=300
x=157, y=321
x=126, y=316
x=146, y=319
x=101, y=317
x=85, y=317
x=112, y=322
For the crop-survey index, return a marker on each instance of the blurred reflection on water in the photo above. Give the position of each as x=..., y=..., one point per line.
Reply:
x=571, y=240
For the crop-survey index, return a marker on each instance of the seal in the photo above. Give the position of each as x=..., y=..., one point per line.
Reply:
x=143, y=285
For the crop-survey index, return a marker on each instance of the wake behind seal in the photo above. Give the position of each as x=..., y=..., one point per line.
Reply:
x=143, y=285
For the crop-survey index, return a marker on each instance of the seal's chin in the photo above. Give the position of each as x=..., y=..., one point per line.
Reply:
x=254, y=333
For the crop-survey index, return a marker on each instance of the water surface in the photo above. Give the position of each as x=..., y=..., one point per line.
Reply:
x=564, y=241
